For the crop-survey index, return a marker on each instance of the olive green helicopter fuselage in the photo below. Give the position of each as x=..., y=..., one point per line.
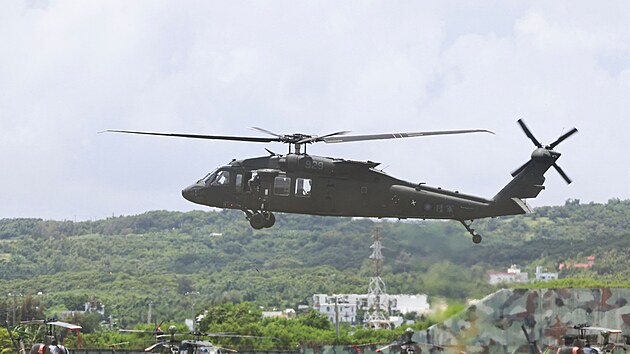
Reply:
x=306, y=184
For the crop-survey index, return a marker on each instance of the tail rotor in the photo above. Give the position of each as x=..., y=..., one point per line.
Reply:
x=529, y=134
x=545, y=152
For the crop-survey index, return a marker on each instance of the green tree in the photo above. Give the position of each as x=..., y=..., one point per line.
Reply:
x=229, y=315
x=316, y=320
x=6, y=346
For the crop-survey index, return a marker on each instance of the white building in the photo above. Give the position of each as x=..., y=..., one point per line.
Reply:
x=513, y=275
x=404, y=304
x=288, y=313
x=542, y=274
x=347, y=305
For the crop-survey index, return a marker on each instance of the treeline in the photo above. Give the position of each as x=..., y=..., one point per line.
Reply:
x=157, y=258
x=251, y=331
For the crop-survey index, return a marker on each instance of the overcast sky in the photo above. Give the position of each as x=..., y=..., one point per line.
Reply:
x=70, y=69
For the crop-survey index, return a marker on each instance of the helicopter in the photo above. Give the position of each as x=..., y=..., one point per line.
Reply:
x=406, y=345
x=169, y=343
x=586, y=341
x=52, y=344
x=307, y=184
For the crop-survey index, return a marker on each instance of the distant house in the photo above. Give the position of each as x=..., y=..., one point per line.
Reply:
x=512, y=275
x=543, y=275
x=288, y=313
x=94, y=306
x=590, y=260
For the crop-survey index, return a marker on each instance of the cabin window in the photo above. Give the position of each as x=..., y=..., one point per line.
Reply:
x=239, y=182
x=253, y=182
x=281, y=186
x=363, y=190
x=303, y=187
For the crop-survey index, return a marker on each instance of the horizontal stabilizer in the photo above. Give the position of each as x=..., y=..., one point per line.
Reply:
x=523, y=205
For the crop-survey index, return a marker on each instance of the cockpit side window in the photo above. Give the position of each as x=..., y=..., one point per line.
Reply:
x=222, y=179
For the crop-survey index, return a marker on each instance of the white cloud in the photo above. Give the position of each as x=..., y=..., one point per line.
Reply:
x=73, y=69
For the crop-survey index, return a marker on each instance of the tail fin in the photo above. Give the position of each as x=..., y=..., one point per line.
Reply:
x=528, y=183
x=529, y=178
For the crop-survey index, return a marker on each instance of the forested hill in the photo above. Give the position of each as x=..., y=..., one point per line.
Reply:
x=126, y=262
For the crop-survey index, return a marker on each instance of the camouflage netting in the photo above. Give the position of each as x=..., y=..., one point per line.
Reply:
x=493, y=325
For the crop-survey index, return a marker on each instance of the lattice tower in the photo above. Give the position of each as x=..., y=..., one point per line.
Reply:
x=377, y=297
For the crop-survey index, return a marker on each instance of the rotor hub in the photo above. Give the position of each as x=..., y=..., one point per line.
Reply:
x=545, y=153
x=296, y=138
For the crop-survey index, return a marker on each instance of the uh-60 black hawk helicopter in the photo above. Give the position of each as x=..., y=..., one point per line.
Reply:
x=306, y=184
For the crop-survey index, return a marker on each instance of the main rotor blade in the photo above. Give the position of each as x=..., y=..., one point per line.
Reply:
x=265, y=131
x=351, y=138
x=65, y=325
x=153, y=347
x=602, y=329
x=563, y=137
x=561, y=172
x=383, y=348
x=212, y=334
x=529, y=133
x=322, y=138
x=199, y=136
x=237, y=336
x=135, y=331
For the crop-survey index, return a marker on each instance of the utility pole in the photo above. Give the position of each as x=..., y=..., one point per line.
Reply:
x=14, y=309
x=192, y=307
x=7, y=307
x=337, y=315
x=14, y=305
x=149, y=314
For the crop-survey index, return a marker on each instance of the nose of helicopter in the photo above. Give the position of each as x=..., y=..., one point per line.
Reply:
x=190, y=193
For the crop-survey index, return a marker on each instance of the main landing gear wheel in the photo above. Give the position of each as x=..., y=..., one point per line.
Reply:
x=476, y=238
x=257, y=221
x=261, y=220
x=270, y=219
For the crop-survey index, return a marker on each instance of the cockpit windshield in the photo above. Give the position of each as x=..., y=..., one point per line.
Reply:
x=217, y=178
x=208, y=177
